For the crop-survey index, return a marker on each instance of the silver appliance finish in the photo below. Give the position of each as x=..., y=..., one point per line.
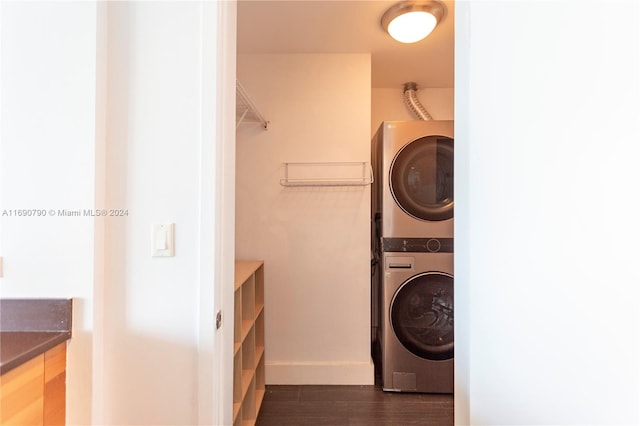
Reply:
x=391, y=138
x=402, y=370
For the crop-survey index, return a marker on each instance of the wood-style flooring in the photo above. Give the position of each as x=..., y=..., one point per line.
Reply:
x=312, y=405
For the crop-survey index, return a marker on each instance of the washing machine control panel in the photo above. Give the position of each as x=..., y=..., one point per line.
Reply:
x=418, y=245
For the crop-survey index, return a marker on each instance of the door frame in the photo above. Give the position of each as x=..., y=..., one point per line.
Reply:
x=217, y=213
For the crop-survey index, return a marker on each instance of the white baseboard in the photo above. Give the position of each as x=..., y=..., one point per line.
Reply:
x=319, y=373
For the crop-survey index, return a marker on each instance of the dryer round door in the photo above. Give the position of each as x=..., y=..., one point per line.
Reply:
x=422, y=315
x=421, y=178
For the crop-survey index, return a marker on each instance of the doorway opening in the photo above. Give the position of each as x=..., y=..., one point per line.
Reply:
x=325, y=90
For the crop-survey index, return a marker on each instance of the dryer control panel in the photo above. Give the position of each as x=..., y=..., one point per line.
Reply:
x=418, y=245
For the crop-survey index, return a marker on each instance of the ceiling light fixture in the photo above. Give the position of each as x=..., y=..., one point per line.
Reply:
x=412, y=20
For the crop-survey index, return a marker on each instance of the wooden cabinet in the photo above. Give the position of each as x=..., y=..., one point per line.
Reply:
x=55, y=378
x=248, y=359
x=23, y=394
x=34, y=392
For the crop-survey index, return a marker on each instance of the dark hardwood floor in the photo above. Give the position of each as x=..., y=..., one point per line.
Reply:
x=312, y=405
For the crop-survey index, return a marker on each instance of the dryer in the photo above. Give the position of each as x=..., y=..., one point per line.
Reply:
x=417, y=315
x=413, y=186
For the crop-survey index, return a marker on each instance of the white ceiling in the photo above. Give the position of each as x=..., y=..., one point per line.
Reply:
x=320, y=26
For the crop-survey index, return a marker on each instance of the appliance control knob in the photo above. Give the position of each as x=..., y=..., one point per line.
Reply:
x=433, y=245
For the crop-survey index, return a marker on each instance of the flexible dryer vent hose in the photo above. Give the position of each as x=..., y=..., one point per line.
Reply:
x=411, y=99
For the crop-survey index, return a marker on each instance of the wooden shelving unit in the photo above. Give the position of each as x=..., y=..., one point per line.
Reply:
x=248, y=342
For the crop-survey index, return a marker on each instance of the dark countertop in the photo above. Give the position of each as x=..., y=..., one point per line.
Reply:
x=30, y=327
x=18, y=347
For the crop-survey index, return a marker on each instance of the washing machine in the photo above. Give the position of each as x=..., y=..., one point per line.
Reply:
x=413, y=179
x=417, y=316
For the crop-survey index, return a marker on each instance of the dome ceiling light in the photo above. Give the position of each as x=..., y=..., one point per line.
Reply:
x=412, y=20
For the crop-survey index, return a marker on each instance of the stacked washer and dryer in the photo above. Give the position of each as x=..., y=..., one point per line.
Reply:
x=412, y=255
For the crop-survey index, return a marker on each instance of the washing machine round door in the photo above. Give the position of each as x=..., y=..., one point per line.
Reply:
x=422, y=315
x=421, y=178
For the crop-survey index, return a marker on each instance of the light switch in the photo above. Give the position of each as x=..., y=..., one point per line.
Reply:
x=0, y=266
x=159, y=238
x=162, y=239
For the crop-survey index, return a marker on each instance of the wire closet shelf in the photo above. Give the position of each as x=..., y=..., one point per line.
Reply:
x=357, y=173
x=246, y=110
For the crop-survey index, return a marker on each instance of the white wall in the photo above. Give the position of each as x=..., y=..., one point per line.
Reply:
x=389, y=105
x=124, y=106
x=156, y=169
x=547, y=213
x=48, y=162
x=315, y=241
x=152, y=164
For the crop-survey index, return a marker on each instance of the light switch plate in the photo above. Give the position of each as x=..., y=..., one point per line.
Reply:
x=162, y=239
x=0, y=266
